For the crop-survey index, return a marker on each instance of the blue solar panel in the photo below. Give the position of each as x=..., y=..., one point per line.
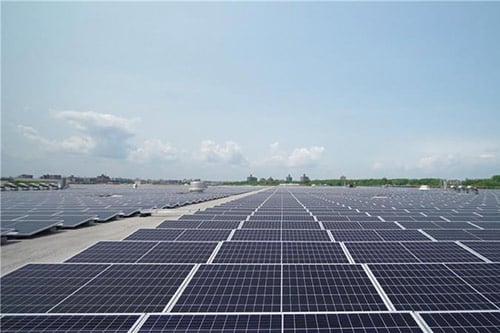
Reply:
x=155, y=234
x=308, y=252
x=114, y=252
x=485, y=278
x=212, y=323
x=204, y=235
x=378, y=252
x=249, y=252
x=328, y=288
x=179, y=252
x=68, y=323
x=232, y=288
x=351, y=323
x=490, y=250
x=463, y=322
x=428, y=287
x=36, y=288
x=127, y=289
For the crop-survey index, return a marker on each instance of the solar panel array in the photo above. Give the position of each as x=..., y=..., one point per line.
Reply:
x=28, y=213
x=289, y=259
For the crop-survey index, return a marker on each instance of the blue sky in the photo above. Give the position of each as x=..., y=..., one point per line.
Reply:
x=222, y=90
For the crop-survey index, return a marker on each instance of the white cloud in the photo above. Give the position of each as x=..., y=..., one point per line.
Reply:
x=73, y=144
x=151, y=150
x=88, y=120
x=229, y=153
x=303, y=156
x=487, y=156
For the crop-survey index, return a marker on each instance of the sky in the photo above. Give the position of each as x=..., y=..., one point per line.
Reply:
x=222, y=90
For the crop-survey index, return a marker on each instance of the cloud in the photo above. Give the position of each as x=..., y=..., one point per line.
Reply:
x=109, y=132
x=90, y=120
x=298, y=157
x=153, y=150
x=487, y=156
x=377, y=165
x=229, y=153
x=73, y=144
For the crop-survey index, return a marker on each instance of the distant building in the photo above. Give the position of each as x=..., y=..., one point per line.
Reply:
x=304, y=179
x=343, y=180
x=288, y=179
x=51, y=177
x=251, y=179
x=25, y=176
x=103, y=179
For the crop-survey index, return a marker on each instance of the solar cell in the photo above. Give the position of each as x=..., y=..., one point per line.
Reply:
x=187, y=323
x=113, y=252
x=232, y=288
x=351, y=322
x=378, y=252
x=462, y=322
x=249, y=252
x=179, y=224
x=379, y=225
x=68, y=323
x=36, y=288
x=155, y=234
x=328, y=288
x=179, y=252
x=427, y=287
x=308, y=252
x=127, y=289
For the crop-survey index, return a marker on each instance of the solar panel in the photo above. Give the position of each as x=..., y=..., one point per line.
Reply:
x=127, y=289
x=351, y=322
x=257, y=235
x=113, y=252
x=485, y=278
x=462, y=322
x=219, y=225
x=428, y=287
x=36, y=288
x=440, y=252
x=155, y=234
x=213, y=323
x=309, y=252
x=342, y=225
x=305, y=235
x=401, y=235
x=329, y=288
x=179, y=224
x=486, y=234
x=380, y=253
x=490, y=250
x=261, y=225
x=355, y=235
x=68, y=323
x=249, y=252
x=205, y=235
x=454, y=235
x=179, y=252
x=300, y=225
x=232, y=288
